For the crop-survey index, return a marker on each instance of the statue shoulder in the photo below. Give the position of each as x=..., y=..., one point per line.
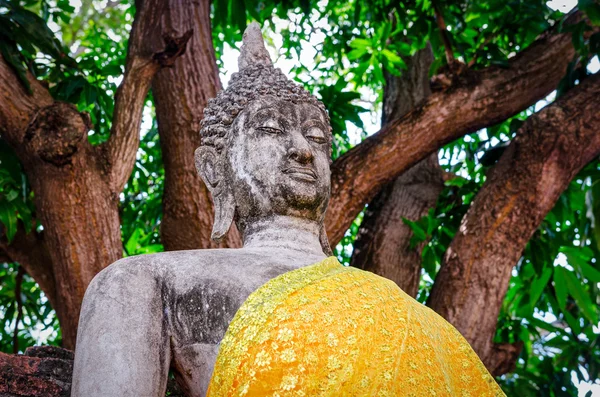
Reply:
x=159, y=264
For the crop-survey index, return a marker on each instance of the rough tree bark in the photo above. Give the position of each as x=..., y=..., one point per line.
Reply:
x=77, y=185
x=549, y=149
x=475, y=100
x=45, y=371
x=383, y=241
x=180, y=95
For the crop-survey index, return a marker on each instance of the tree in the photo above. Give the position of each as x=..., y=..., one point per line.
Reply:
x=497, y=190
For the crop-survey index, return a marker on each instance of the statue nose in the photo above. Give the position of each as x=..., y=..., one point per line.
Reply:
x=300, y=154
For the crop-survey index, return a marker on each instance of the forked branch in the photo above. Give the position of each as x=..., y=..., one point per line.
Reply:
x=489, y=97
x=143, y=62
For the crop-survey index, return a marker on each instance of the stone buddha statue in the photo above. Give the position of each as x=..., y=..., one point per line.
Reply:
x=277, y=317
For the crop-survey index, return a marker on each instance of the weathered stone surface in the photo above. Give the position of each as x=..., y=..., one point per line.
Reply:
x=265, y=156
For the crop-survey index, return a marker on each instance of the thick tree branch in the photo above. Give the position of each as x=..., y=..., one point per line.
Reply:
x=143, y=62
x=482, y=99
x=383, y=241
x=31, y=252
x=180, y=95
x=549, y=150
x=17, y=106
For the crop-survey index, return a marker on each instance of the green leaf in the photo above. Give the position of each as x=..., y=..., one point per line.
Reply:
x=132, y=243
x=538, y=285
x=429, y=260
x=360, y=43
x=589, y=272
x=581, y=297
x=560, y=287
x=592, y=10
x=573, y=323
x=469, y=36
x=418, y=231
x=595, y=201
x=393, y=58
x=11, y=54
x=151, y=249
x=360, y=70
x=457, y=181
x=383, y=32
x=356, y=53
x=35, y=29
x=13, y=194
x=8, y=217
x=25, y=214
x=237, y=14
x=402, y=48
x=377, y=71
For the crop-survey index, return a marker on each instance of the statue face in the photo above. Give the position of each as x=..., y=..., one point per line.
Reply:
x=279, y=160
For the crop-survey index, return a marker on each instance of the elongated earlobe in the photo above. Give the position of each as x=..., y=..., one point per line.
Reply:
x=224, y=213
x=210, y=166
x=325, y=241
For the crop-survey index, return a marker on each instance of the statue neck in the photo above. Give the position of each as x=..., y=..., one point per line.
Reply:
x=283, y=232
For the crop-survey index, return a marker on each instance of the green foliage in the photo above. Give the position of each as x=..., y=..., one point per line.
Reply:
x=552, y=301
x=487, y=33
x=38, y=319
x=22, y=35
x=15, y=194
x=343, y=251
x=341, y=108
x=141, y=203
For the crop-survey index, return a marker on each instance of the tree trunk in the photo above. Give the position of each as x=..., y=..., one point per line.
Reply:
x=180, y=95
x=81, y=224
x=548, y=151
x=72, y=195
x=77, y=185
x=383, y=241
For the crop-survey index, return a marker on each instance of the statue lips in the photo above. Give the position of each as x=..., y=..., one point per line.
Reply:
x=303, y=173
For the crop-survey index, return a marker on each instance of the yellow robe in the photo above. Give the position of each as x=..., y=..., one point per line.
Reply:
x=331, y=330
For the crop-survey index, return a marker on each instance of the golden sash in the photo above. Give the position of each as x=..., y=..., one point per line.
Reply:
x=331, y=330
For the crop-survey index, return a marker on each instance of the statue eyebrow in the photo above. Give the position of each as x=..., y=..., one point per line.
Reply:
x=279, y=110
x=261, y=116
x=313, y=121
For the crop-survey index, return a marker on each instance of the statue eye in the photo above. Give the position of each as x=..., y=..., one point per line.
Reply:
x=270, y=130
x=316, y=135
x=317, y=139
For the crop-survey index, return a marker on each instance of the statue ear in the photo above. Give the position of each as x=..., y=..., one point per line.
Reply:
x=211, y=168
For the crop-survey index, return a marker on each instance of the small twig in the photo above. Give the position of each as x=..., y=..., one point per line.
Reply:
x=482, y=45
x=444, y=33
x=18, y=284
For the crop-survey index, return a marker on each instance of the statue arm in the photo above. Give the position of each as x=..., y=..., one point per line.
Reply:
x=122, y=342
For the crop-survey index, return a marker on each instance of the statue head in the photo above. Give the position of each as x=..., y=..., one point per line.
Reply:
x=266, y=146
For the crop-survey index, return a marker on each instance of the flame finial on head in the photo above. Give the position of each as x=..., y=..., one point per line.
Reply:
x=253, y=51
